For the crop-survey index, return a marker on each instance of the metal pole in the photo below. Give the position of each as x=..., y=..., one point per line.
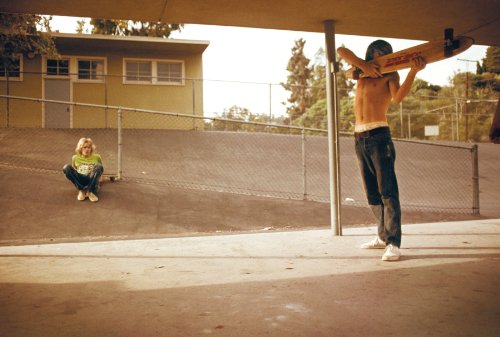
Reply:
x=409, y=125
x=194, y=104
x=401, y=118
x=466, y=113
x=332, y=68
x=270, y=102
x=106, y=122
x=452, y=127
x=8, y=99
x=475, y=180
x=304, y=166
x=119, y=175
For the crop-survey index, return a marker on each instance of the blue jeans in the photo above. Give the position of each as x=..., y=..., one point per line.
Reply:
x=84, y=182
x=376, y=157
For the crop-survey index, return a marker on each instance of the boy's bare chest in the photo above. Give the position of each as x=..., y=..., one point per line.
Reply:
x=375, y=87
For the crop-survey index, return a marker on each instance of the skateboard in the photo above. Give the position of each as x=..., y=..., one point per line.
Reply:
x=430, y=52
x=107, y=177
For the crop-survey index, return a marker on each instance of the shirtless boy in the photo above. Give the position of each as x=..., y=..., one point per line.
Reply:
x=374, y=146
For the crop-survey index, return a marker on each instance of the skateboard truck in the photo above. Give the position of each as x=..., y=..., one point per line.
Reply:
x=449, y=43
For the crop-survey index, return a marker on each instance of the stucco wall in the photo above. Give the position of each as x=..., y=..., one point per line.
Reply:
x=18, y=113
x=184, y=99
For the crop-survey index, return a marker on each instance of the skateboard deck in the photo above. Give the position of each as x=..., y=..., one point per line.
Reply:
x=430, y=52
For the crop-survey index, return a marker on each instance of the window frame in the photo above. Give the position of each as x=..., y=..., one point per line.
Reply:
x=46, y=71
x=154, y=71
x=102, y=76
x=21, y=67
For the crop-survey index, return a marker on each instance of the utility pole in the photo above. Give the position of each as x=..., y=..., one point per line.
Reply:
x=467, y=96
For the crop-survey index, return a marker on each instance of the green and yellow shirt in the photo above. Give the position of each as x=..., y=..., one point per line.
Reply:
x=85, y=165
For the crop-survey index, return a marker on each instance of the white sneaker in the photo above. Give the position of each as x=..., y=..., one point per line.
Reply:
x=81, y=195
x=391, y=253
x=374, y=244
x=93, y=197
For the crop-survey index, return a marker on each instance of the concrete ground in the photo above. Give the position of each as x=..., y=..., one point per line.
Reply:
x=295, y=283
x=152, y=260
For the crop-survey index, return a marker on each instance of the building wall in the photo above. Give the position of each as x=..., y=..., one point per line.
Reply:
x=183, y=99
x=18, y=113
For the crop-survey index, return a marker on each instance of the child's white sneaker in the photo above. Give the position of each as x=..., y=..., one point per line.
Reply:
x=374, y=244
x=81, y=195
x=93, y=197
x=391, y=253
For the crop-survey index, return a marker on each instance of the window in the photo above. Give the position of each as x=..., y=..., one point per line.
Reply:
x=138, y=71
x=14, y=71
x=91, y=70
x=170, y=72
x=58, y=67
x=161, y=72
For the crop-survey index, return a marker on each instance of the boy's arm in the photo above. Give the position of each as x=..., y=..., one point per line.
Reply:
x=370, y=69
x=400, y=92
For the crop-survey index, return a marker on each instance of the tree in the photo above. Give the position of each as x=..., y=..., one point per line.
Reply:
x=80, y=26
x=298, y=81
x=236, y=113
x=316, y=115
x=422, y=87
x=133, y=28
x=488, y=74
x=491, y=63
x=22, y=34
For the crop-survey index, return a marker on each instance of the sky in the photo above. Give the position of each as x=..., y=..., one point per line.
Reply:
x=260, y=56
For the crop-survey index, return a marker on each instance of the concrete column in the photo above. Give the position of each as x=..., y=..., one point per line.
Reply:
x=332, y=69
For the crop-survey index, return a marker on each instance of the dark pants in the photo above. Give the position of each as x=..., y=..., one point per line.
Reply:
x=84, y=182
x=376, y=157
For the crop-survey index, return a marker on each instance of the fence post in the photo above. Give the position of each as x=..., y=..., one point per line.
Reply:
x=8, y=98
x=475, y=179
x=106, y=122
x=401, y=119
x=270, y=102
x=193, y=89
x=304, y=167
x=409, y=125
x=119, y=175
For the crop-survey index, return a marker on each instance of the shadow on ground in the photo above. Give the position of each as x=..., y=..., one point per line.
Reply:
x=329, y=304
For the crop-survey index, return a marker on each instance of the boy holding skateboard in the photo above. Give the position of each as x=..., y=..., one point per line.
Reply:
x=374, y=146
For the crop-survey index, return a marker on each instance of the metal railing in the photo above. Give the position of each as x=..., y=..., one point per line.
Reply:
x=455, y=118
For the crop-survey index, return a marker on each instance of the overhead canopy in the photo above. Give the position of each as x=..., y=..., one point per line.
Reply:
x=406, y=19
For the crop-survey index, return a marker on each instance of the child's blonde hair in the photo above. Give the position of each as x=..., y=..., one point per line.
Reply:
x=83, y=142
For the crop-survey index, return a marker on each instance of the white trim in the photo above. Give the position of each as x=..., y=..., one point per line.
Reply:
x=44, y=68
x=90, y=58
x=21, y=68
x=154, y=71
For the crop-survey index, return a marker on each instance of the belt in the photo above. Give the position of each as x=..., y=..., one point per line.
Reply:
x=370, y=133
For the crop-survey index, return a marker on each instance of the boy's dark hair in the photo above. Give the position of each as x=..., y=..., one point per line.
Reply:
x=383, y=47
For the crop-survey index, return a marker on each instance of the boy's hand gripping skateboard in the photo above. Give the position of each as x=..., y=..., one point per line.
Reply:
x=430, y=52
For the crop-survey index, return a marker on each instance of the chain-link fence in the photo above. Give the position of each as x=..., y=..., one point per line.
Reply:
x=422, y=117
x=237, y=156
x=443, y=118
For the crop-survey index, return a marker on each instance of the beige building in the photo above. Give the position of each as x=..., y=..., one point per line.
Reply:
x=131, y=72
